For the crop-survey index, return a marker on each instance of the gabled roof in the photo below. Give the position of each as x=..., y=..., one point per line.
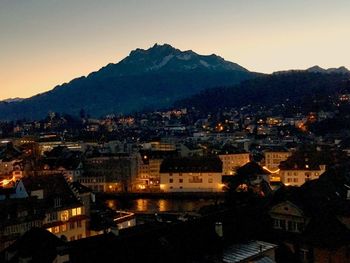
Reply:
x=9, y=152
x=54, y=186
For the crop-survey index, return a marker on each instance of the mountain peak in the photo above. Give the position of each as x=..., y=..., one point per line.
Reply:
x=166, y=58
x=147, y=78
x=318, y=69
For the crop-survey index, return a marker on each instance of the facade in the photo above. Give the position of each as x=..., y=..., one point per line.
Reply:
x=298, y=176
x=288, y=217
x=230, y=162
x=191, y=175
x=149, y=162
x=17, y=216
x=96, y=183
x=274, y=158
x=117, y=171
x=64, y=212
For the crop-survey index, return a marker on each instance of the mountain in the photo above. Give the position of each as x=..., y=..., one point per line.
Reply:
x=12, y=100
x=307, y=90
x=318, y=69
x=146, y=79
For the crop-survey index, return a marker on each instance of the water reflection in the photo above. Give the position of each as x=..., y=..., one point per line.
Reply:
x=159, y=205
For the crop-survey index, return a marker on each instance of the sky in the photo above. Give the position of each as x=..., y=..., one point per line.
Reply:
x=44, y=43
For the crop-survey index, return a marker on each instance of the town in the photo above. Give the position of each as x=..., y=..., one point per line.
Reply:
x=279, y=183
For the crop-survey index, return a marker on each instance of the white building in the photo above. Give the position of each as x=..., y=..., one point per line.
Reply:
x=200, y=174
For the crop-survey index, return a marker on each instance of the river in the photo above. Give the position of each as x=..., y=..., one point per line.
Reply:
x=159, y=205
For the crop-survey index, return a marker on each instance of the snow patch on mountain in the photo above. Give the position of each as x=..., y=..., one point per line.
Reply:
x=165, y=61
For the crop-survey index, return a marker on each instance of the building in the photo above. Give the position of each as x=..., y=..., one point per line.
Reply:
x=17, y=216
x=149, y=162
x=12, y=190
x=196, y=174
x=115, y=171
x=312, y=222
x=273, y=158
x=232, y=161
x=64, y=212
x=289, y=217
x=297, y=174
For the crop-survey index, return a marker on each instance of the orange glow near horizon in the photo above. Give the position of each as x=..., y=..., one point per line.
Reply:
x=41, y=48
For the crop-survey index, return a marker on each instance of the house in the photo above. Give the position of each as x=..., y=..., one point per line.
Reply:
x=64, y=212
x=312, y=222
x=232, y=158
x=274, y=157
x=149, y=162
x=297, y=170
x=193, y=174
x=12, y=190
x=289, y=217
x=118, y=170
x=250, y=177
x=10, y=159
x=17, y=216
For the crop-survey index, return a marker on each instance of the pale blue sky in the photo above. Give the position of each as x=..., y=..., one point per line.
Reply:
x=47, y=42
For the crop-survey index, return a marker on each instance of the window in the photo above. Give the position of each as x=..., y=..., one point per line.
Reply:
x=210, y=180
x=181, y=180
x=79, y=211
x=56, y=229
x=64, y=215
x=74, y=212
x=71, y=225
x=57, y=202
x=79, y=223
x=53, y=216
x=64, y=228
x=279, y=224
x=170, y=180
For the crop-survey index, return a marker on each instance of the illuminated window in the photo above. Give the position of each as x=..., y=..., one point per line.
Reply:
x=74, y=212
x=64, y=215
x=79, y=211
x=64, y=228
x=56, y=229
x=49, y=229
